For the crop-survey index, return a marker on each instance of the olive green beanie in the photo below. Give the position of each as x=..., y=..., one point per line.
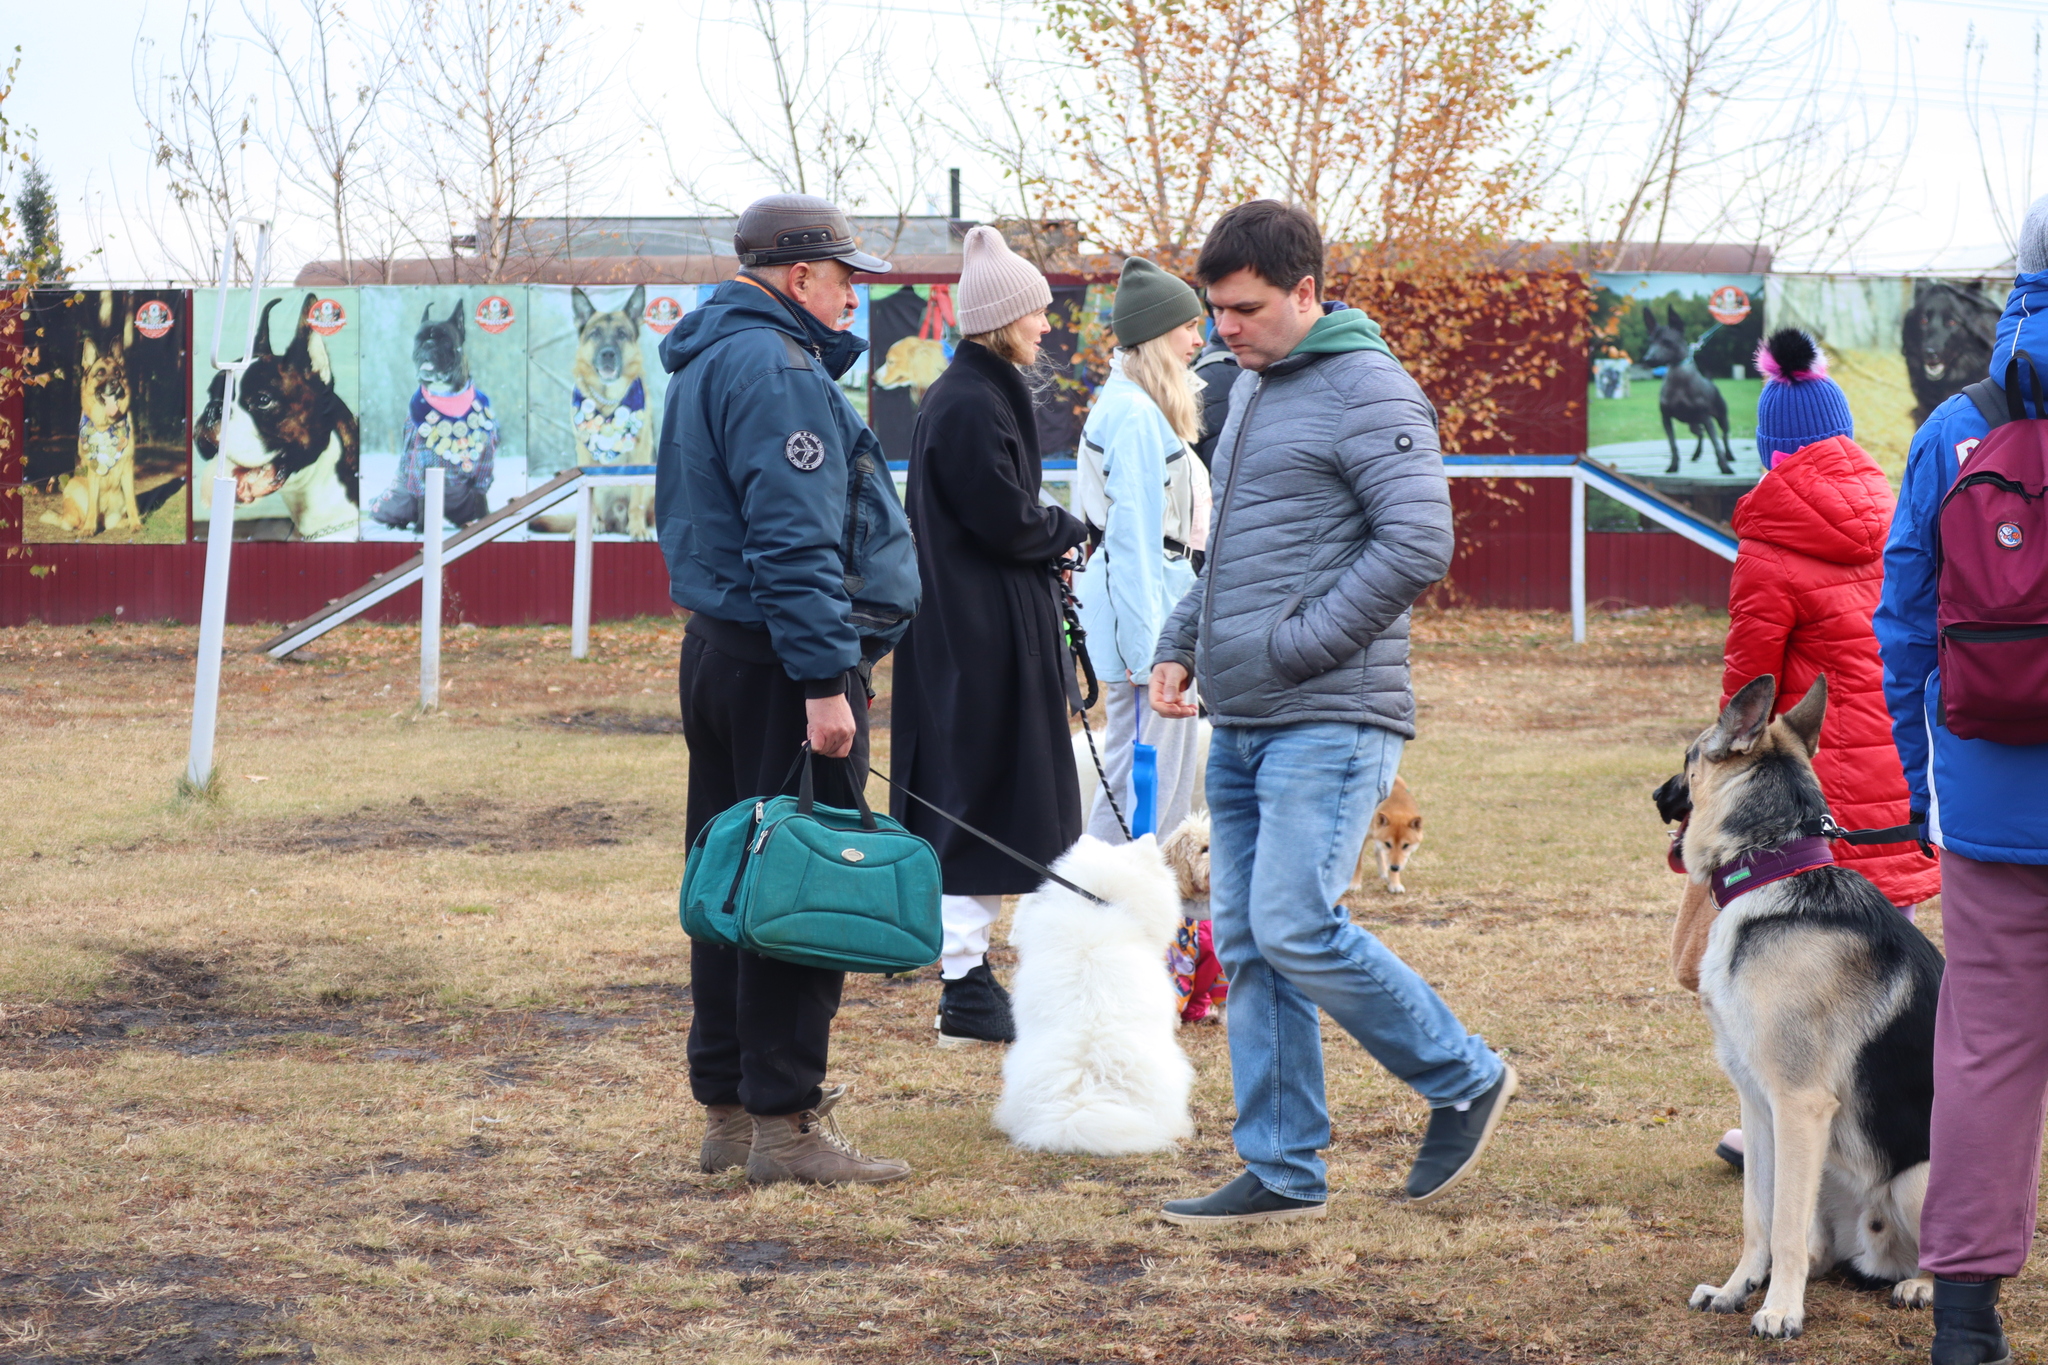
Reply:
x=1150, y=303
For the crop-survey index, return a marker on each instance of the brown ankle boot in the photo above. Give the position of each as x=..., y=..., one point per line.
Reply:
x=808, y=1146
x=729, y=1132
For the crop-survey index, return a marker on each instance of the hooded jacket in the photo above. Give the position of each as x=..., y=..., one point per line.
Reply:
x=1332, y=514
x=1807, y=577
x=1982, y=799
x=773, y=500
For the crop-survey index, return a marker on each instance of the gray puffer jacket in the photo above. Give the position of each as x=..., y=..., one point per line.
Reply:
x=1331, y=517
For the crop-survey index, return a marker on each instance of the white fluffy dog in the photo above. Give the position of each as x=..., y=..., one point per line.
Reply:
x=1096, y=1067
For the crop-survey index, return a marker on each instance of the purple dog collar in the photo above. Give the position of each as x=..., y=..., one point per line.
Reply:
x=1767, y=865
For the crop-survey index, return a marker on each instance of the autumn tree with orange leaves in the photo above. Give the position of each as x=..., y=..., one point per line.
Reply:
x=1403, y=125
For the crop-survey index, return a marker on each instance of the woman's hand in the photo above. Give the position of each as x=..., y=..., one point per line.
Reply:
x=1169, y=692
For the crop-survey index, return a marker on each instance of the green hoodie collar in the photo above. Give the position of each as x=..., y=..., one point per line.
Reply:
x=1346, y=329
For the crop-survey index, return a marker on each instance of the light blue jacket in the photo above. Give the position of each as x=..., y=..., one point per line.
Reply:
x=1982, y=799
x=1130, y=585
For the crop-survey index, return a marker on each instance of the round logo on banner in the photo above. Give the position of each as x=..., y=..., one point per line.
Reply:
x=154, y=318
x=326, y=317
x=2009, y=535
x=805, y=450
x=1728, y=305
x=663, y=313
x=494, y=314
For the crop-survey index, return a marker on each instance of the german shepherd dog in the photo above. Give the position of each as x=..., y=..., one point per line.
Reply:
x=290, y=433
x=1821, y=997
x=1687, y=396
x=101, y=490
x=611, y=418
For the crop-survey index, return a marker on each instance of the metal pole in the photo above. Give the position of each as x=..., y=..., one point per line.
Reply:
x=430, y=593
x=213, y=620
x=1578, y=556
x=579, y=596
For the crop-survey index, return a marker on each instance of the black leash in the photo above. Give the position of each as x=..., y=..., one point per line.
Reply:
x=1077, y=649
x=997, y=844
x=1824, y=827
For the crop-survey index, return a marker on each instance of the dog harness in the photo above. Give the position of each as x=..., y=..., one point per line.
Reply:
x=1761, y=867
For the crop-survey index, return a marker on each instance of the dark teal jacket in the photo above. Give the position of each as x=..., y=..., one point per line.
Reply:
x=759, y=448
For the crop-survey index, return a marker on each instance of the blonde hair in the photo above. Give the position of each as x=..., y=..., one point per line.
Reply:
x=1156, y=367
x=1008, y=342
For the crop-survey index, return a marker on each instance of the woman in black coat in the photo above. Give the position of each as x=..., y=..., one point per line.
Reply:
x=979, y=716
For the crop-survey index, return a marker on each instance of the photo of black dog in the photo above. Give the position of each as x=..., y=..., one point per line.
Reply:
x=449, y=425
x=1688, y=396
x=1947, y=340
x=290, y=433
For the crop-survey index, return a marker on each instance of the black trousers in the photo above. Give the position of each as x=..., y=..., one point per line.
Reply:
x=761, y=1028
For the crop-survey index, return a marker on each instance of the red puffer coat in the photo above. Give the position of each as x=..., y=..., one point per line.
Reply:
x=1807, y=578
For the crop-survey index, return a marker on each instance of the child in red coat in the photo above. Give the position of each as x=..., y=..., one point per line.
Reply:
x=1807, y=577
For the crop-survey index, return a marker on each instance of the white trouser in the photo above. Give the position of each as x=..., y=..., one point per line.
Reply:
x=966, y=920
x=1180, y=756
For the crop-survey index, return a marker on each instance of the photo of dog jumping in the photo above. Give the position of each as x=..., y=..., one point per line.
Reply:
x=1821, y=996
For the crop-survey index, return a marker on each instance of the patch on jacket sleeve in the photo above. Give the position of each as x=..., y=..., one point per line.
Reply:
x=805, y=450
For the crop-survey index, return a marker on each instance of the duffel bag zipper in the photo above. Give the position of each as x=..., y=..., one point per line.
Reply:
x=732, y=893
x=1978, y=635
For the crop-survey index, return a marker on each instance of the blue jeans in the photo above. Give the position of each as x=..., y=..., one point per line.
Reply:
x=1289, y=807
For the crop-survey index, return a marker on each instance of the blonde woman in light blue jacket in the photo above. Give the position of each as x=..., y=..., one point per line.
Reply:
x=1145, y=498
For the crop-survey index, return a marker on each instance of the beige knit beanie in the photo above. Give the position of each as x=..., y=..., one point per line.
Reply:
x=997, y=286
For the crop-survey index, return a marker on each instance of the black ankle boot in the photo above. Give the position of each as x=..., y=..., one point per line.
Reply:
x=1967, y=1328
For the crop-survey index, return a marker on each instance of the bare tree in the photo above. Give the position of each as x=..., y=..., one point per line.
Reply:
x=2005, y=154
x=330, y=78
x=202, y=132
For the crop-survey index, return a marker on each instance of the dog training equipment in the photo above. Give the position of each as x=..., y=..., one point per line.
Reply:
x=1243, y=1202
x=1992, y=558
x=788, y=878
x=1967, y=1327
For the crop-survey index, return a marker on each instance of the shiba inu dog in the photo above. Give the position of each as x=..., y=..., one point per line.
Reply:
x=1822, y=998
x=101, y=491
x=1395, y=834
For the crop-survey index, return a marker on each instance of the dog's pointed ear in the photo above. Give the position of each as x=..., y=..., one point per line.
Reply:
x=88, y=352
x=318, y=359
x=636, y=304
x=1806, y=717
x=301, y=349
x=580, y=301
x=1671, y=315
x=1415, y=822
x=262, y=346
x=1743, y=720
x=457, y=316
x=427, y=313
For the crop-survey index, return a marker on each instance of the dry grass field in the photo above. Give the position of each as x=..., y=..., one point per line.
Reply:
x=380, y=1058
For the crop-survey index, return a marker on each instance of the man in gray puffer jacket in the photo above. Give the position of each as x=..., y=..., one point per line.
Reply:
x=1331, y=515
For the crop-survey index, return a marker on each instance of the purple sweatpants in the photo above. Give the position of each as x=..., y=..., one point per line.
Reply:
x=1990, y=1069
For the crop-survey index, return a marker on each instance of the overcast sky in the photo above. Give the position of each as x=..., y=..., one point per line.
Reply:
x=1906, y=55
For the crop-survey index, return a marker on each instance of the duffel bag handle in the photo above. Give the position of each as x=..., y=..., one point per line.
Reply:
x=806, y=797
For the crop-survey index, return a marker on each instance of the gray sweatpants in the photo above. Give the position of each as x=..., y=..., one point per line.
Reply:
x=1180, y=757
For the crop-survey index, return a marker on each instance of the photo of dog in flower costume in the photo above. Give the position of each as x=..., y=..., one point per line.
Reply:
x=449, y=425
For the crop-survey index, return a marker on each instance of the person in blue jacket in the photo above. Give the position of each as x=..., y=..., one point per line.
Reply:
x=1145, y=498
x=1986, y=804
x=786, y=543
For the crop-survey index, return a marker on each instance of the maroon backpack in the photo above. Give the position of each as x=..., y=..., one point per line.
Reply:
x=1992, y=557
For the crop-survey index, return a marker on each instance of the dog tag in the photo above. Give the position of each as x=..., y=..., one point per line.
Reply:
x=852, y=855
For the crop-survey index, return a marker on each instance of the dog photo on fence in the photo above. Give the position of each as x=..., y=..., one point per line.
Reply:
x=104, y=430
x=290, y=438
x=595, y=382
x=443, y=386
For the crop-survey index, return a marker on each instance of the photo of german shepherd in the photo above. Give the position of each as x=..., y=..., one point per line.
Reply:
x=100, y=493
x=1821, y=996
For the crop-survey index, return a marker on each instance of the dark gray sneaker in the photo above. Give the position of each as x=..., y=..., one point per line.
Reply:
x=1244, y=1201
x=975, y=1009
x=1455, y=1140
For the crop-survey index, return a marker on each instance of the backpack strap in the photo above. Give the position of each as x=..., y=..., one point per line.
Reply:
x=2001, y=404
x=1990, y=402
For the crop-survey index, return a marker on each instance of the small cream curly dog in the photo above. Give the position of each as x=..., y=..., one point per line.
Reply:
x=1097, y=1067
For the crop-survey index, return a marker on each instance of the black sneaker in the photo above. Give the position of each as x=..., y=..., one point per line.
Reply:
x=1245, y=1200
x=1454, y=1141
x=1967, y=1328
x=975, y=1009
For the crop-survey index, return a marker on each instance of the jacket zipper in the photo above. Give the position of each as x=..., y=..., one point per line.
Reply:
x=1211, y=560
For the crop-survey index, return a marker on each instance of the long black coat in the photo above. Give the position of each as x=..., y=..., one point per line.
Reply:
x=979, y=718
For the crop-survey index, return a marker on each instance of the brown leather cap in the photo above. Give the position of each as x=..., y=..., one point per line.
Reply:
x=786, y=228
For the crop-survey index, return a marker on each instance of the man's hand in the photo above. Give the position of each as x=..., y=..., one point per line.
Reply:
x=830, y=728
x=1170, y=690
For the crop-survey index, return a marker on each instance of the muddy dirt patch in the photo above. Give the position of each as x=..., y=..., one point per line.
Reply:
x=147, y=1314
x=473, y=826
x=614, y=723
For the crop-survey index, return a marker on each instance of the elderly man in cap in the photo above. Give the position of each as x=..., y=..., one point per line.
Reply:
x=786, y=543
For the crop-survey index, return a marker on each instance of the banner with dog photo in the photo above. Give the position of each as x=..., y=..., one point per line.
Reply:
x=1672, y=400
x=444, y=372
x=594, y=385
x=104, y=426
x=911, y=335
x=291, y=438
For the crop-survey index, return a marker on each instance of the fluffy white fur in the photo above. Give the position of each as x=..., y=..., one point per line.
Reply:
x=1096, y=1067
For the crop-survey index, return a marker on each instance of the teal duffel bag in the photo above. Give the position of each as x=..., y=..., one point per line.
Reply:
x=787, y=878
